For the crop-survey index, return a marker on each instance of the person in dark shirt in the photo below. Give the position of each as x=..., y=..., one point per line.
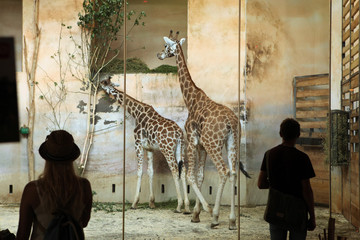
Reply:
x=290, y=173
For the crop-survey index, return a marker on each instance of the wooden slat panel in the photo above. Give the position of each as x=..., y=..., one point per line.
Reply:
x=354, y=50
x=319, y=124
x=345, y=2
x=355, y=218
x=346, y=48
x=355, y=9
x=354, y=63
x=320, y=184
x=346, y=86
x=346, y=210
x=312, y=93
x=355, y=97
x=312, y=114
x=346, y=102
x=346, y=59
x=354, y=23
x=312, y=103
x=346, y=9
x=346, y=23
x=354, y=139
x=313, y=134
x=354, y=82
x=354, y=113
x=346, y=35
x=354, y=126
x=312, y=82
x=346, y=72
x=354, y=162
x=355, y=36
x=321, y=190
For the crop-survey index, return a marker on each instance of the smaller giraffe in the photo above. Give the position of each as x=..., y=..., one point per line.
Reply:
x=154, y=132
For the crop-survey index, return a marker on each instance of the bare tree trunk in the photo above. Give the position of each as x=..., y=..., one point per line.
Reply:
x=30, y=75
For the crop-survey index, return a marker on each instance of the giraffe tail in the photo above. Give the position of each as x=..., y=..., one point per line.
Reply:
x=179, y=153
x=242, y=169
x=180, y=166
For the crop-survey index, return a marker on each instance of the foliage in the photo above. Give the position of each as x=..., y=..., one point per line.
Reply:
x=339, y=139
x=165, y=69
x=136, y=65
x=133, y=65
x=102, y=21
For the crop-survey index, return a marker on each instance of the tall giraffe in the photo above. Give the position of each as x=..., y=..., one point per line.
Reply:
x=154, y=132
x=209, y=127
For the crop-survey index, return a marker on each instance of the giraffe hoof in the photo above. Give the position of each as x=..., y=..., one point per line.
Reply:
x=186, y=212
x=195, y=220
x=214, y=225
x=132, y=207
x=232, y=225
x=152, y=203
x=177, y=211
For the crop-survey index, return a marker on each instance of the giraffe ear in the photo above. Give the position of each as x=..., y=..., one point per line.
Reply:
x=168, y=41
x=182, y=41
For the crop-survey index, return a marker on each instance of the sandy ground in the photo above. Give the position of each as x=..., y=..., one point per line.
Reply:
x=164, y=224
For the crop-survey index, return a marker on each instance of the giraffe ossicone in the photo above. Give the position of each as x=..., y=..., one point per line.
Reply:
x=209, y=127
x=154, y=132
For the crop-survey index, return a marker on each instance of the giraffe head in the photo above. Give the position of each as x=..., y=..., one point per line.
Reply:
x=107, y=85
x=170, y=46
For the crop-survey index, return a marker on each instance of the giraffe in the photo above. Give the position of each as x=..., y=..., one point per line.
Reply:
x=154, y=132
x=209, y=127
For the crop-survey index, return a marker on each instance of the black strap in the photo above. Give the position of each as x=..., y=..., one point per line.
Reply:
x=267, y=166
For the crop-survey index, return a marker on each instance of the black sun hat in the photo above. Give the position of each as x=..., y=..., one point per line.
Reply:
x=59, y=146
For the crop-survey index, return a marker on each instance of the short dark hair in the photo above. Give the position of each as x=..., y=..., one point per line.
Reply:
x=289, y=129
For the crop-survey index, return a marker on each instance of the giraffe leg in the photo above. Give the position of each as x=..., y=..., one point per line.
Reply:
x=193, y=139
x=178, y=191
x=180, y=154
x=186, y=198
x=151, y=175
x=140, y=157
x=216, y=155
x=171, y=158
x=196, y=182
x=222, y=181
x=233, y=155
x=232, y=217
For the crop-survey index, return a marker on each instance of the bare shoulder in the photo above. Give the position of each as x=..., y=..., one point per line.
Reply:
x=30, y=194
x=30, y=187
x=85, y=183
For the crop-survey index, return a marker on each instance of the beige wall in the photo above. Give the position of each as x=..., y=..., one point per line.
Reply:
x=161, y=17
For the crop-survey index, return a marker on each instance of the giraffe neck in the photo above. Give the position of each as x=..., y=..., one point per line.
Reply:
x=188, y=87
x=134, y=107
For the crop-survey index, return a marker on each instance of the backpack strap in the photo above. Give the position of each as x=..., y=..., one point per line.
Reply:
x=267, y=166
x=40, y=226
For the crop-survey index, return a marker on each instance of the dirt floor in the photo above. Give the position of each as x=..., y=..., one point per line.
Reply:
x=162, y=223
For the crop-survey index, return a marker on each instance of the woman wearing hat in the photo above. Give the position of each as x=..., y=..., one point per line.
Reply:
x=58, y=188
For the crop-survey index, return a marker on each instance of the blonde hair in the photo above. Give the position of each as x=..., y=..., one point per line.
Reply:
x=60, y=186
